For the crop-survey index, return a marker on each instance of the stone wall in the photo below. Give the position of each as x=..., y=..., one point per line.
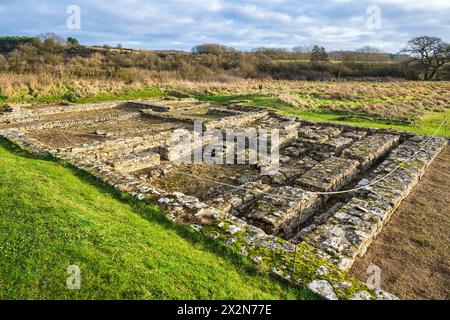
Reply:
x=347, y=234
x=136, y=162
x=235, y=121
x=23, y=114
x=81, y=122
x=370, y=149
x=329, y=175
x=168, y=105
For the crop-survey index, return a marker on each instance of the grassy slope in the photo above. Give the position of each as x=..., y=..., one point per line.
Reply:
x=52, y=216
x=426, y=125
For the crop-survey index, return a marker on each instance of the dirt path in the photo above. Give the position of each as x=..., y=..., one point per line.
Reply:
x=413, y=249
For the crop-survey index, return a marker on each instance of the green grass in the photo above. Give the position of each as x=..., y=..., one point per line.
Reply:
x=425, y=125
x=128, y=94
x=53, y=216
x=70, y=95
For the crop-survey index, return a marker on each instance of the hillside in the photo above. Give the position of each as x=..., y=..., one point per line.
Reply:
x=52, y=216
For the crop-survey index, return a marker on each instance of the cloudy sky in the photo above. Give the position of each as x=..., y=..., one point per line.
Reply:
x=244, y=24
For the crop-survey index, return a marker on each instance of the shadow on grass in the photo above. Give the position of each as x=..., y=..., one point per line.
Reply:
x=152, y=213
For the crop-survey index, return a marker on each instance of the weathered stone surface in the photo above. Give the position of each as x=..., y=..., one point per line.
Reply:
x=282, y=209
x=354, y=135
x=168, y=105
x=240, y=199
x=81, y=122
x=323, y=288
x=234, y=121
x=362, y=295
x=21, y=114
x=337, y=144
x=169, y=117
x=329, y=175
x=319, y=133
x=370, y=149
x=347, y=234
x=137, y=162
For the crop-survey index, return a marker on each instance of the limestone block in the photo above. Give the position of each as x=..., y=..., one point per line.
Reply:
x=368, y=150
x=282, y=209
x=137, y=162
x=329, y=175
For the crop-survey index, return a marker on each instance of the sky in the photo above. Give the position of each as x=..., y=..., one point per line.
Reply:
x=245, y=24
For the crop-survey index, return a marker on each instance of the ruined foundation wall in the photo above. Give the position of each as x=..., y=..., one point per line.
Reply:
x=24, y=115
x=338, y=240
x=81, y=122
x=348, y=233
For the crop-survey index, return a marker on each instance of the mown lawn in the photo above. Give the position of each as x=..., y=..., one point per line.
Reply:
x=53, y=216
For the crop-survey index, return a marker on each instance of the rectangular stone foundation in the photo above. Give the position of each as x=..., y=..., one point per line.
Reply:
x=348, y=233
x=240, y=211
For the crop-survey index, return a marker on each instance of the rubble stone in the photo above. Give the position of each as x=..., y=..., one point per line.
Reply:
x=323, y=288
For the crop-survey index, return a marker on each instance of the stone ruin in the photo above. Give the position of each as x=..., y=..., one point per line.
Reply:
x=336, y=187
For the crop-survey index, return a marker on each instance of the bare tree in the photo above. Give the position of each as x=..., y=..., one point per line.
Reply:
x=318, y=54
x=53, y=37
x=302, y=49
x=430, y=52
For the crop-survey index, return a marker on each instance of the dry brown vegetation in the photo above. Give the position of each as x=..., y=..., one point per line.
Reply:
x=400, y=99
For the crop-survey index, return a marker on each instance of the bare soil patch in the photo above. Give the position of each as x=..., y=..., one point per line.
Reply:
x=413, y=249
x=70, y=136
x=200, y=179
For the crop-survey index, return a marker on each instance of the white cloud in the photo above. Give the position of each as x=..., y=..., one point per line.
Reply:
x=254, y=12
x=433, y=5
x=242, y=23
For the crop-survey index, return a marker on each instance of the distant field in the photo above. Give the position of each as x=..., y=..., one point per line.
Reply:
x=336, y=61
x=418, y=107
x=412, y=106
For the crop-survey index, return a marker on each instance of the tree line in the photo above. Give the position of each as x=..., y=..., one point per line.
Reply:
x=424, y=58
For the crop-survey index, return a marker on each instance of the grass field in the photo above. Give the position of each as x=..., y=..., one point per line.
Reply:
x=426, y=124
x=418, y=107
x=53, y=216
